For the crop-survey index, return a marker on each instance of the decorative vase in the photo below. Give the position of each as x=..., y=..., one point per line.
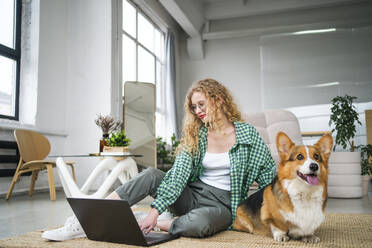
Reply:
x=102, y=142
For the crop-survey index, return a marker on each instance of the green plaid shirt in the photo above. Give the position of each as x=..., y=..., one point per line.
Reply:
x=250, y=161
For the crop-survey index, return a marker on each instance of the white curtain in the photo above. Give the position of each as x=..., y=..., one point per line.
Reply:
x=166, y=116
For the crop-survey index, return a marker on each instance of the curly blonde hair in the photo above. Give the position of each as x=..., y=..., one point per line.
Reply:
x=219, y=103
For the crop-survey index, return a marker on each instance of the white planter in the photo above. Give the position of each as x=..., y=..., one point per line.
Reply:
x=344, y=192
x=344, y=169
x=344, y=157
x=344, y=179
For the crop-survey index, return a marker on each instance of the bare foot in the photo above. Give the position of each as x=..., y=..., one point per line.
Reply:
x=164, y=225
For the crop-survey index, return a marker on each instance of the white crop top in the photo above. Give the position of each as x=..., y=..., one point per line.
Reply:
x=216, y=170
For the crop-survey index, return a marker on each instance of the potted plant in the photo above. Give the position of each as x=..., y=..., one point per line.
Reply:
x=108, y=124
x=366, y=164
x=343, y=117
x=166, y=154
x=117, y=142
x=344, y=179
x=161, y=151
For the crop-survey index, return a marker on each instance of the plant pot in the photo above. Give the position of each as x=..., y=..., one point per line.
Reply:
x=365, y=183
x=344, y=179
x=115, y=149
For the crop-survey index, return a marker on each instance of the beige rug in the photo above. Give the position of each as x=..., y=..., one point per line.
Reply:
x=338, y=230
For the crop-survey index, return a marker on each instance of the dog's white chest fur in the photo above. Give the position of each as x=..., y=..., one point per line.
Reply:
x=307, y=203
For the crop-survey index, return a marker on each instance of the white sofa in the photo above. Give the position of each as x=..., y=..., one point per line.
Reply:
x=270, y=122
x=343, y=182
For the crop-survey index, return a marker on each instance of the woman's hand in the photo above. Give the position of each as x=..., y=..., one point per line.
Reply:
x=148, y=223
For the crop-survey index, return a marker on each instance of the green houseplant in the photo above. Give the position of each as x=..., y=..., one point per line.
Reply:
x=166, y=154
x=118, y=138
x=344, y=117
x=345, y=181
x=161, y=150
x=117, y=142
x=366, y=164
x=366, y=157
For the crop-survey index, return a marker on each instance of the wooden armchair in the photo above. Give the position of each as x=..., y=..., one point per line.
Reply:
x=33, y=149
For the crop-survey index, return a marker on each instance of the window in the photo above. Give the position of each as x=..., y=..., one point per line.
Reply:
x=142, y=47
x=10, y=54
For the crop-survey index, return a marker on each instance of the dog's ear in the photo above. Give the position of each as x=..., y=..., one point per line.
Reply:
x=283, y=144
x=325, y=144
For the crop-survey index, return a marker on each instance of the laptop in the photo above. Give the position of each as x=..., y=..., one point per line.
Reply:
x=113, y=221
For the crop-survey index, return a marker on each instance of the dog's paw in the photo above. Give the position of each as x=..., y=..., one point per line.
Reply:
x=281, y=237
x=311, y=239
x=295, y=233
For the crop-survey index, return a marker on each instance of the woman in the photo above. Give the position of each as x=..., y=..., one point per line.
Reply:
x=219, y=157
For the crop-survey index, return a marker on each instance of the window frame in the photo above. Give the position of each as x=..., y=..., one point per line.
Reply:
x=15, y=55
x=138, y=43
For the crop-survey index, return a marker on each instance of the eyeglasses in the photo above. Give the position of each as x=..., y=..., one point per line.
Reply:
x=193, y=108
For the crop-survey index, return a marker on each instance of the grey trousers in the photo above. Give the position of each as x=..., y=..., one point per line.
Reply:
x=203, y=210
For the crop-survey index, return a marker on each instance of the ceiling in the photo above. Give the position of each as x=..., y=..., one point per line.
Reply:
x=204, y=20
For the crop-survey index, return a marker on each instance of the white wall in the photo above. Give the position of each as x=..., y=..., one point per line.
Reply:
x=316, y=118
x=43, y=75
x=301, y=69
x=69, y=78
x=88, y=81
x=73, y=81
x=236, y=62
x=52, y=77
x=233, y=62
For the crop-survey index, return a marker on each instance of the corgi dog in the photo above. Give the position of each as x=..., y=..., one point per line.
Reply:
x=292, y=206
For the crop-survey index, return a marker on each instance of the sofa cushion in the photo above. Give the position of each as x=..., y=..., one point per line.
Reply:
x=270, y=122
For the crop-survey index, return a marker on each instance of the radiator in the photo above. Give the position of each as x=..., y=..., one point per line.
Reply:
x=9, y=157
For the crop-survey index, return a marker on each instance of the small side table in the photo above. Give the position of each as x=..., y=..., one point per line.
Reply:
x=122, y=167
